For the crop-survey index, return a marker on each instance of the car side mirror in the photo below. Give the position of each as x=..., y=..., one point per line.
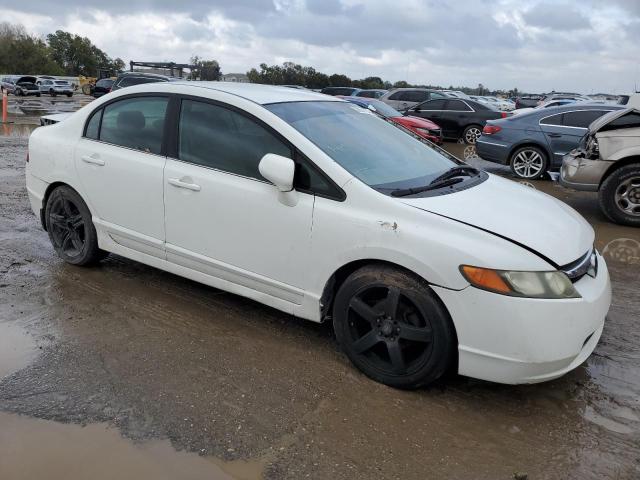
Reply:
x=280, y=170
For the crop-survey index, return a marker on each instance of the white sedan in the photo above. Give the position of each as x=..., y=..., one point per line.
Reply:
x=323, y=210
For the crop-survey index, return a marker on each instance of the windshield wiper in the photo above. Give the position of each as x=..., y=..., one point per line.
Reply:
x=450, y=177
x=456, y=172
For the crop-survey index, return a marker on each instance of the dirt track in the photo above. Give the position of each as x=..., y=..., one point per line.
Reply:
x=244, y=391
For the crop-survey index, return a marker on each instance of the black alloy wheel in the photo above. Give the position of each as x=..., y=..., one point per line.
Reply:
x=392, y=326
x=70, y=227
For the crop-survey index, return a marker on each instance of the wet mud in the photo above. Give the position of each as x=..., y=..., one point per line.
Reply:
x=124, y=361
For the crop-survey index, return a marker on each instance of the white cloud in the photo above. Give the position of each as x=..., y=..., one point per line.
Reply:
x=536, y=46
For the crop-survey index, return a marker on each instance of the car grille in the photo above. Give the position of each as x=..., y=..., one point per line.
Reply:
x=436, y=132
x=585, y=265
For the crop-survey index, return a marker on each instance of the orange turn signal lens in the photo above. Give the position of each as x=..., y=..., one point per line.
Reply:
x=485, y=278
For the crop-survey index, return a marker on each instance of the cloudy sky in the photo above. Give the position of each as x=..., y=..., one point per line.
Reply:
x=535, y=45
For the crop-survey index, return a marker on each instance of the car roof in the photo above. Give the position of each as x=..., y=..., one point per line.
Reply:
x=255, y=92
x=536, y=114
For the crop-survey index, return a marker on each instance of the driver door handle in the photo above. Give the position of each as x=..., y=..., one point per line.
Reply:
x=554, y=135
x=177, y=182
x=93, y=160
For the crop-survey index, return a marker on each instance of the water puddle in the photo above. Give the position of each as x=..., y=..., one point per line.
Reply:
x=17, y=349
x=18, y=130
x=33, y=448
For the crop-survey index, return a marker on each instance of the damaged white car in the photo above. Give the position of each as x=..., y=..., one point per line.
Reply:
x=607, y=161
x=322, y=209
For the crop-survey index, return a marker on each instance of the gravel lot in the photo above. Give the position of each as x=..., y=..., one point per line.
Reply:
x=124, y=371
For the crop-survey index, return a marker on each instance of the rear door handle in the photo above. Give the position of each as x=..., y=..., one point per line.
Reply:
x=554, y=135
x=176, y=182
x=93, y=160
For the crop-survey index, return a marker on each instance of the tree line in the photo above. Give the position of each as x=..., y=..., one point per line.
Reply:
x=290, y=73
x=60, y=53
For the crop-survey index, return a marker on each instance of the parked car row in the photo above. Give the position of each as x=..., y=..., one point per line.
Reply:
x=29, y=85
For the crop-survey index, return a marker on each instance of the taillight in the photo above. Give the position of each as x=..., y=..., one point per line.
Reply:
x=504, y=114
x=491, y=129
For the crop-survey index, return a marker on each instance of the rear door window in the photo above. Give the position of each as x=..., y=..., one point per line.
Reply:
x=433, y=105
x=416, y=96
x=457, y=106
x=581, y=119
x=630, y=120
x=136, y=123
x=552, y=120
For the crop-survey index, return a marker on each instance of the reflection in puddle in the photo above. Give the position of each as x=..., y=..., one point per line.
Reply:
x=622, y=250
x=97, y=452
x=17, y=348
x=20, y=130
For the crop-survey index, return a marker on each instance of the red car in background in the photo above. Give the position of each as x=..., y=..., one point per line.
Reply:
x=420, y=126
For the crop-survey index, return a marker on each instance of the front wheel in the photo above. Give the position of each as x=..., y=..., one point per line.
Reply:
x=70, y=227
x=529, y=163
x=471, y=134
x=619, y=195
x=69, y=94
x=52, y=92
x=393, y=328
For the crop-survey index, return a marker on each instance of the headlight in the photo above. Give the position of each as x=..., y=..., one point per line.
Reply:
x=424, y=131
x=554, y=284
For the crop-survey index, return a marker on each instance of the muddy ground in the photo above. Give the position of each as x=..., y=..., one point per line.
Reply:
x=124, y=371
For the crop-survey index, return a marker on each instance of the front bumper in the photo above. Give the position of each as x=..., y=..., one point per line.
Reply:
x=522, y=340
x=581, y=173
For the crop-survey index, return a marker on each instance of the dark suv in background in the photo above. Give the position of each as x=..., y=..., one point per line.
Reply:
x=403, y=98
x=128, y=79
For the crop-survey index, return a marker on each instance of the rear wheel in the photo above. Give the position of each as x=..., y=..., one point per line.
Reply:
x=70, y=228
x=471, y=134
x=529, y=163
x=619, y=195
x=52, y=92
x=69, y=94
x=393, y=328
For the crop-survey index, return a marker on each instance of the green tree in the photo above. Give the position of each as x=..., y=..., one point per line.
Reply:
x=401, y=84
x=206, y=69
x=76, y=55
x=339, y=80
x=24, y=54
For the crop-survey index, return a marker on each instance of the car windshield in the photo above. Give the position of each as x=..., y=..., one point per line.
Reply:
x=384, y=109
x=370, y=148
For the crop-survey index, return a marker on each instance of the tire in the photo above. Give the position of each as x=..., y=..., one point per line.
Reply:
x=471, y=134
x=69, y=94
x=19, y=92
x=529, y=163
x=38, y=94
x=71, y=229
x=619, y=195
x=393, y=328
x=52, y=92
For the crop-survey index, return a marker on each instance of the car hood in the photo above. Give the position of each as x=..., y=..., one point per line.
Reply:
x=517, y=213
x=605, y=120
x=416, y=122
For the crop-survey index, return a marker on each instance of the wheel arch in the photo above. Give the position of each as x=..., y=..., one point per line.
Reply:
x=529, y=143
x=617, y=165
x=336, y=280
x=47, y=194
